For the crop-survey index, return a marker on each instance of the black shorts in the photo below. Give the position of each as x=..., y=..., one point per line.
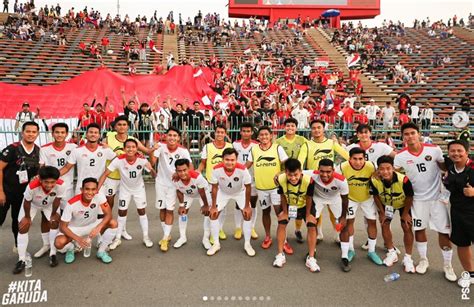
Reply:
x=301, y=213
x=144, y=136
x=462, y=228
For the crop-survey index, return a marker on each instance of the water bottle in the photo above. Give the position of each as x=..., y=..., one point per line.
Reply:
x=87, y=250
x=391, y=277
x=184, y=218
x=28, y=266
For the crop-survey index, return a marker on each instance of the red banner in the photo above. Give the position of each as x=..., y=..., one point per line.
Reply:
x=66, y=99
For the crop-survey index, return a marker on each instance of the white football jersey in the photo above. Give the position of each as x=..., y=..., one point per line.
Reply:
x=166, y=160
x=80, y=214
x=423, y=171
x=131, y=174
x=231, y=183
x=191, y=189
x=35, y=193
x=374, y=151
x=58, y=157
x=328, y=191
x=90, y=163
x=244, y=152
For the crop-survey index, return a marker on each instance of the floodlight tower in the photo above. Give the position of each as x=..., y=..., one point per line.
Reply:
x=118, y=7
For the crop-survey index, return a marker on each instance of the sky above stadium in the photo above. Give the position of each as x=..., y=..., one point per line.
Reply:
x=403, y=10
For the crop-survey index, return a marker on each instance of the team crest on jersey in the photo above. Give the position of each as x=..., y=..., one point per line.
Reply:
x=52, y=194
x=236, y=179
x=193, y=186
x=68, y=153
x=92, y=206
x=428, y=158
x=176, y=156
x=334, y=188
x=139, y=167
x=371, y=150
x=99, y=154
x=5, y=152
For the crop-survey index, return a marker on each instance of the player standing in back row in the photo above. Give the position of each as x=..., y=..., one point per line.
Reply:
x=167, y=154
x=316, y=149
x=422, y=164
x=211, y=155
x=130, y=165
x=267, y=159
x=292, y=144
x=56, y=154
x=244, y=147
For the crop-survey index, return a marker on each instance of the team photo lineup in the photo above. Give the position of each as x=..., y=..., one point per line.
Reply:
x=298, y=153
x=291, y=179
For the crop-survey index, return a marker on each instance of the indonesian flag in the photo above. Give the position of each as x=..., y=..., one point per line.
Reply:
x=353, y=59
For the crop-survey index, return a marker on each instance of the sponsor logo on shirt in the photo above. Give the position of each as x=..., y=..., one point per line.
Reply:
x=267, y=161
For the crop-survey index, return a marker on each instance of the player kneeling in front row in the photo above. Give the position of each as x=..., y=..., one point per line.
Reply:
x=331, y=189
x=80, y=222
x=230, y=181
x=44, y=195
x=130, y=166
x=296, y=191
x=190, y=187
x=392, y=192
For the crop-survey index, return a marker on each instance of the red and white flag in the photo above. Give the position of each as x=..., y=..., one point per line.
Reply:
x=353, y=59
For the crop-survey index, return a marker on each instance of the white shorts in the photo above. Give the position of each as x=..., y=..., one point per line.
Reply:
x=267, y=198
x=335, y=205
x=223, y=199
x=125, y=197
x=368, y=208
x=165, y=197
x=253, y=191
x=188, y=201
x=110, y=187
x=68, y=194
x=82, y=231
x=34, y=210
x=432, y=212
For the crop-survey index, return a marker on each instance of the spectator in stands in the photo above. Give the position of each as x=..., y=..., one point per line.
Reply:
x=347, y=120
x=426, y=117
x=109, y=116
x=5, y=6
x=195, y=120
x=306, y=73
x=302, y=115
x=446, y=59
x=129, y=109
x=388, y=116
x=403, y=118
x=25, y=115
x=466, y=103
x=361, y=117
x=145, y=115
x=414, y=113
x=236, y=118
x=105, y=42
x=373, y=111
x=86, y=117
